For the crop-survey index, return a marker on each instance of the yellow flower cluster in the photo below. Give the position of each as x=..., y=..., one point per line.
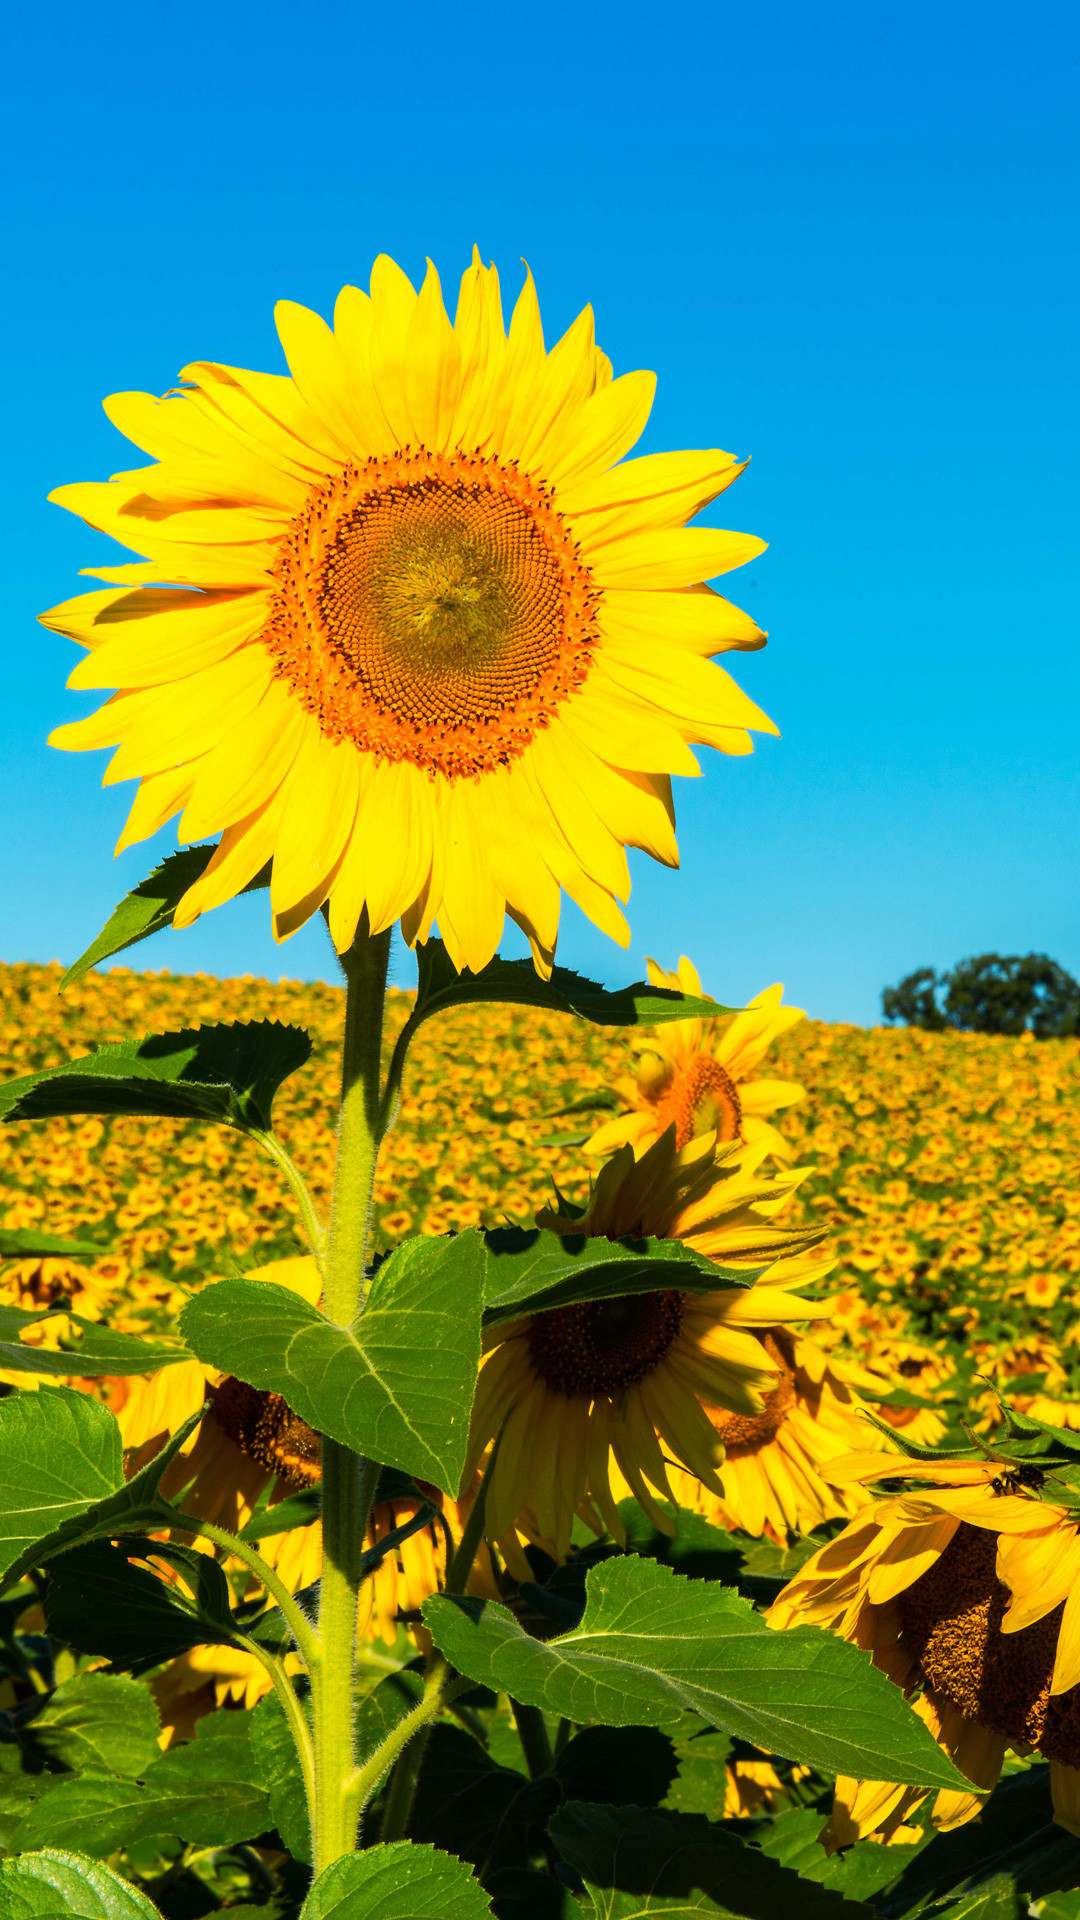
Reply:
x=945, y=1165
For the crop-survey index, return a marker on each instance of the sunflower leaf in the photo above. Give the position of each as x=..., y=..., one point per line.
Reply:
x=653, y=1645
x=398, y=1881
x=54, y=1884
x=531, y=1269
x=62, y=1481
x=658, y=1860
x=227, y=1073
x=397, y=1386
x=440, y=986
x=94, y=1723
x=150, y=907
x=96, y=1350
x=98, y=1602
x=27, y=1243
x=205, y=1792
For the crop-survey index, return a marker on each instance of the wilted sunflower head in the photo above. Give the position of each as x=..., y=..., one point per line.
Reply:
x=429, y=643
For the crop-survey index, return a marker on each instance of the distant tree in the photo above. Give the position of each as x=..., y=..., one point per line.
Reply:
x=990, y=993
x=914, y=1001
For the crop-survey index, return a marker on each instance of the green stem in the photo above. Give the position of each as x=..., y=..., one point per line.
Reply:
x=439, y=1691
x=295, y=1619
x=402, y=1789
x=460, y=1567
x=348, y=1482
x=294, y=1714
x=284, y=1161
x=533, y=1734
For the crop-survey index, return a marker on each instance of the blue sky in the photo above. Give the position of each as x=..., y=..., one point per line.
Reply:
x=839, y=234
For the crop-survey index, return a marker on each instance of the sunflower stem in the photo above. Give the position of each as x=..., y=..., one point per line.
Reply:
x=348, y=1480
x=535, y=1741
x=283, y=1160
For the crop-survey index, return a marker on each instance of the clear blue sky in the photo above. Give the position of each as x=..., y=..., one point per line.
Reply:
x=843, y=235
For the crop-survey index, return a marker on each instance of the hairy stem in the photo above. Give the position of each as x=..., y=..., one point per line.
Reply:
x=295, y=1619
x=301, y=1192
x=402, y=1789
x=439, y=1691
x=348, y=1482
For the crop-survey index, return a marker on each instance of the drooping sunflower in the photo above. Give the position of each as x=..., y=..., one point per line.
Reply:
x=580, y=1388
x=777, y=1469
x=697, y=1075
x=427, y=641
x=968, y=1588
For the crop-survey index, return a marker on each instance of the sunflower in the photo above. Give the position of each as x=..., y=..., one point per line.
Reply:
x=620, y=1378
x=968, y=1588
x=250, y=1449
x=919, y=1370
x=696, y=1075
x=777, y=1469
x=428, y=642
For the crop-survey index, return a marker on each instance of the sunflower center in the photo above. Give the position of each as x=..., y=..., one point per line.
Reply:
x=605, y=1346
x=744, y=1433
x=267, y=1430
x=951, y=1622
x=701, y=1098
x=432, y=608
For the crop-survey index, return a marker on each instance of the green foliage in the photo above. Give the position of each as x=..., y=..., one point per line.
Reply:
x=652, y=1646
x=55, y=1885
x=396, y=1882
x=150, y=907
x=278, y=1765
x=60, y=1453
x=228, y=1074
x=94, y=1723
x=28, y=1243
x=204, y=1792
x=989, y=993
x=45, y=1443
x=636, y=1860
x=440, y=987
x=397, y=1387
x=98, y=1602
x=94, y=1350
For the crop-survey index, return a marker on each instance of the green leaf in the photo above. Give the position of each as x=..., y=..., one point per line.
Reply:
x=397, y=1387
x=1014, y=1834
x=98, y=1602
x=657, y=1860
x=859, y=1872
x=96, y=1723
x=440, y=987
x=151, y=906
x=652, y=1646
x=26, y=1243
x=469, y=1805
x=297, y=1510
x=60, y=1453
x=278, y=1766
x=203, y=1792
x=998, y=1900
x=624, y=1766
x=397, y=1882
x=96, y=1350
x=532, y=1269
x=227, y=1074
x=135, y=1506
x=54, y=1885
x=517, y=1893
x=701, y=1783
x=1061, y=1906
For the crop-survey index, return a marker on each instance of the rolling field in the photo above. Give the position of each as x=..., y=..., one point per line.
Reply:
x=945, y=1165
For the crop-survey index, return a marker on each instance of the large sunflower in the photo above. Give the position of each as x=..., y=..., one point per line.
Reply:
x=577, y=1388
x=424, y=643
x=699, y=1076
x=777, y=1474
x=967, y=1587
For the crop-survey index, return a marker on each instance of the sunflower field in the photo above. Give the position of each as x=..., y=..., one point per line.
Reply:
x=516, y=1449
